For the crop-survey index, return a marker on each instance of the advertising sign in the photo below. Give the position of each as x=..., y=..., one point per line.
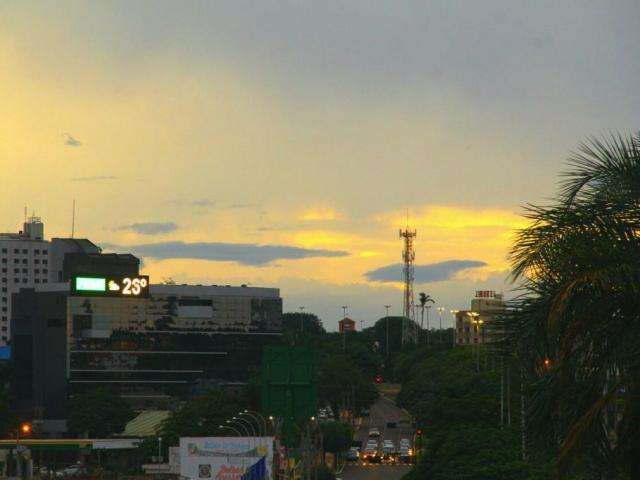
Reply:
x=226, y=458
x=110, y=286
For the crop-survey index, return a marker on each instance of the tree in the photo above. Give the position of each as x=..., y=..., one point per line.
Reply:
x=336, y=438
x=342, y=384
x=305, y=322
x=573, y=332
x=8, y=420
x=98, y=413
x=203, y=415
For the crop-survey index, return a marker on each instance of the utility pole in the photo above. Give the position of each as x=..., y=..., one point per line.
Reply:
x=454, y=313
x=428, y=326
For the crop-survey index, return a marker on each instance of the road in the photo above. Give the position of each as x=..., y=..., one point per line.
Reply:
x=383, y=412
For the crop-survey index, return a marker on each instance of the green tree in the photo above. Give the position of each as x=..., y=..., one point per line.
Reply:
x=203, y=415
x=574, y=331
x=99, y=413
x=336, y=438
x=305, y=322
x=341, y=384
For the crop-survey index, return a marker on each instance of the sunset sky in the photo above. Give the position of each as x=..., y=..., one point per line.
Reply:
x=282, y=143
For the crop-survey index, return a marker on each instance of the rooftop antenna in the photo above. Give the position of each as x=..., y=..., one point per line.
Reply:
x=25, y=214
x=73, y=219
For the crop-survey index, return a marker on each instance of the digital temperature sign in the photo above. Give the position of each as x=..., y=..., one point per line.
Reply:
x=110, y=286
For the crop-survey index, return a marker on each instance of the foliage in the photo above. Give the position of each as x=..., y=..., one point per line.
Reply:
x=341, y=383
x=324, y=473
x=336, y=437
x=203, y=415
x=99, y=413
x=8, y=420
x=573, y=332
x=291, y=321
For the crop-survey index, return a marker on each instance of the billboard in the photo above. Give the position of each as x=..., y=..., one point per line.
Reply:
x=226, y=458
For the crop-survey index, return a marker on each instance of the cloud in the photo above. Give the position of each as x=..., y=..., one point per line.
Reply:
x=149, y=228
x=204, y=202
x=71, y=141
x=243, y=253
x=96, y=178
x=235, y=206
x=433, y=272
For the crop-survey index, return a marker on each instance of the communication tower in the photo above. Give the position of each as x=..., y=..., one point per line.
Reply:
x=408, y=309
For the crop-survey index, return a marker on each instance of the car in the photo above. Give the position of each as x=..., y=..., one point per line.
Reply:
x=405, y=441
x=71, y=471
x=353, y=455
x=374, y=432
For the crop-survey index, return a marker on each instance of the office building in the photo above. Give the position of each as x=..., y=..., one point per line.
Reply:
x=474, y=326
x=169, y=342
x=24, y=262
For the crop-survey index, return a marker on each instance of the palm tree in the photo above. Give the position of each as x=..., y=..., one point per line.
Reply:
x=424, y=299
x=574, y=330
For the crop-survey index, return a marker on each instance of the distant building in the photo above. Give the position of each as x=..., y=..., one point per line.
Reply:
x=179, y=340
x=473, y=326
x=24, y=262
x=347, y=325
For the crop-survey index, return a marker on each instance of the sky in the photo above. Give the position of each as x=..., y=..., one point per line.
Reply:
x=284, y=144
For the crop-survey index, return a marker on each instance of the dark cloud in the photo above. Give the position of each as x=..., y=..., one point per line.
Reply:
x=71, y=141
x=96, y=178
x=433, y=272
x=149, y=228
x=244, y=253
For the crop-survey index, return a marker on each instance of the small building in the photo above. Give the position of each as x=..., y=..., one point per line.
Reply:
x=347, y=325
x=473, y=326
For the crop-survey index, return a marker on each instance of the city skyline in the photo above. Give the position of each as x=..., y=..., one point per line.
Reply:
x=287, y=154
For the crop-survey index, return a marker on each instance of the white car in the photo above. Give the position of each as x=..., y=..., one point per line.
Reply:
x=374, y=432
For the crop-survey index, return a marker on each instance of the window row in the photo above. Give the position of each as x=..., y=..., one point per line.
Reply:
x=24, y=280
x=26, y=251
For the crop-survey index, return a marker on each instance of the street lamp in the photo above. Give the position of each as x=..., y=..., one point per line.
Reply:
x=387, y=322
x=241, y=427
x=440, y=312
x=301, y=318
x=258, y=417
x=222, y=427
x=247, y=422
x=159, y=449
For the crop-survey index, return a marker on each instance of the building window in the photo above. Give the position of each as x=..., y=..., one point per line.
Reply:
x=44, y=270
x=4, y=260
x=36, y=261
x=25, y=251
x=37, y=281
x=4, y=270
x=16, y=270
x=24, y=280
x=36, y=251
x=4, y=309
x=4, y=279
x=4, y=250
x=45, y=261
x=25, y=270
x=4, y=289
x=16, y=260
x=25, y=261
x=4, y=299
x=37, y=270
x=44, y=280
x=475, y=340
x=16, y=250
x=44, y=252
x=16, y=280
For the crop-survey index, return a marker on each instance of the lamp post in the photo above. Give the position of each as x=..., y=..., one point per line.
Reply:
x=455, y=328
x=301, y=318
x=440, y=312
x=387, y=307
x=25, y=429
x=222, y=427
x=159, y=449
x=257, y=416
x=428, y=327
x=241, y=427
x=251, y=429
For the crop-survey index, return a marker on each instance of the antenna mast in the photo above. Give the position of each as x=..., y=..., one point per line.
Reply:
x=408, y=309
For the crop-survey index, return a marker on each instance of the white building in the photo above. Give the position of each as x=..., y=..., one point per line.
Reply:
x=24, y=262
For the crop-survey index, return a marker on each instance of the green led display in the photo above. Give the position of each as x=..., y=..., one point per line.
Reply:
x=91, y=284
